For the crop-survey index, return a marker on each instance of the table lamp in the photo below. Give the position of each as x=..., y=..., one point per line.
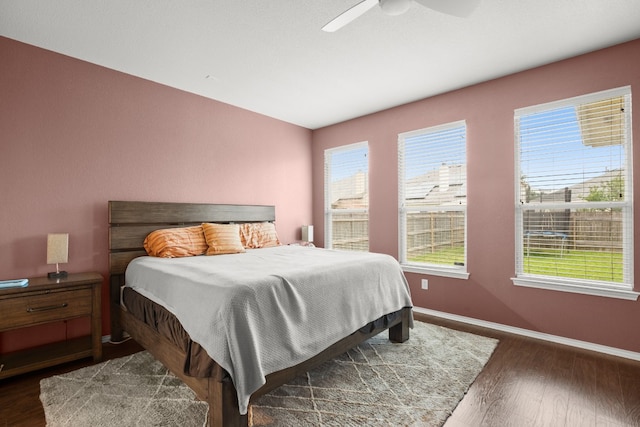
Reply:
x=307, y=234
x=57, y=252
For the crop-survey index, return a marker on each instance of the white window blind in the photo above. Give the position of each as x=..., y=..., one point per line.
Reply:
x=433, y=198
x=574, y=214
x=346, y=195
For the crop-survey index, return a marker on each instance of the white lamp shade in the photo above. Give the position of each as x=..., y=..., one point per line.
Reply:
x=57, y=248
x=307, y=233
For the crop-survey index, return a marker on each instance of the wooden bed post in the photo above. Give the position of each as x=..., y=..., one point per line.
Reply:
x=223, y=405
x=115, y=283
x=400, y=332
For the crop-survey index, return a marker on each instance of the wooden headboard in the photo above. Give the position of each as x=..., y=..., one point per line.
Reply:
x=131, y=222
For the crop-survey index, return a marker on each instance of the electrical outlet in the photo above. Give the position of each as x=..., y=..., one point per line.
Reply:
x=425, y=284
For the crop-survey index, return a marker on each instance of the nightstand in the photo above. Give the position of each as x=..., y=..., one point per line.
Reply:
x=46, y=301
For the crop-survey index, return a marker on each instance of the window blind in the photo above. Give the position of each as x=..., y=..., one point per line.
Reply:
x=433, y=196
x=347, y=197
x=574, y=190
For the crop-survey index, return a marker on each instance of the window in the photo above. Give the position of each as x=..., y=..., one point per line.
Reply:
x=433, y=200
x=574, y=214
x=346, y=197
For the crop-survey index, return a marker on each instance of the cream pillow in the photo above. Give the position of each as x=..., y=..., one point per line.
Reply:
x=222, y=238
x=259, y=235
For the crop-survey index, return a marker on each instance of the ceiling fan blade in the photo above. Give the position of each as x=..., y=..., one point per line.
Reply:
x=349, y=15
x=460, y=8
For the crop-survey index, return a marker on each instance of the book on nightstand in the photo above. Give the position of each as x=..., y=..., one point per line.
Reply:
x=17, y=283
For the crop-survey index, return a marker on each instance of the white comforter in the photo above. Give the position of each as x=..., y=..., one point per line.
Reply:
x=268, y=309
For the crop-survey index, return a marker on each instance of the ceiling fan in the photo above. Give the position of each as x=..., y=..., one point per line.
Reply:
x=460, y=8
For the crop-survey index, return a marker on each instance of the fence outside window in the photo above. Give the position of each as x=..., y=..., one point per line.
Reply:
x=350, y=231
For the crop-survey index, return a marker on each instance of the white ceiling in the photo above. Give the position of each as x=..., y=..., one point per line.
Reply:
x=270, y=56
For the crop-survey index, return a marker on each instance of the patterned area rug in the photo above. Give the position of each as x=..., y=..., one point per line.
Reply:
x=417, y=383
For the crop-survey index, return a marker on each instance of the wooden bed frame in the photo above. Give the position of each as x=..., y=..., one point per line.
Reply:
x=129, y=224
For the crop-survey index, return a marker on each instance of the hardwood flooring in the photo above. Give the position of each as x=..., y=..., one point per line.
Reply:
x=525, y=383
x=529, y=382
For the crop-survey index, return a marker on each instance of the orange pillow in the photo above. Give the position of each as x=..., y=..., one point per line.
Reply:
x=176, y=242
x=222, y=238
x=259, y=235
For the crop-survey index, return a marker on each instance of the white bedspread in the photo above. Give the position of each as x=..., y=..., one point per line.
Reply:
x=268, y=309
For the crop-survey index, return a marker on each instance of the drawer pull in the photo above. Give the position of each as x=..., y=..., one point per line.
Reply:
x=47, y=307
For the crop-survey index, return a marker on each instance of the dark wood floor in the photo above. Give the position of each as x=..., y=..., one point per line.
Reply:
x=526, y=383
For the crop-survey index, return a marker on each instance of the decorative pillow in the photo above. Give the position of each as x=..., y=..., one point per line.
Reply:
x=222, y=238
x=176, y=242
x=259, y=235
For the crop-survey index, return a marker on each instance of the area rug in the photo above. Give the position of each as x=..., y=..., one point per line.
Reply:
x=378, y=383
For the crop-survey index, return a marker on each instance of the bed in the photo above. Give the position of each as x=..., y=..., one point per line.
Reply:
x=159, y=330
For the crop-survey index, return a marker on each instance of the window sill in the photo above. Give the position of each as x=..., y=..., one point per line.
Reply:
x=454, y=273
x=576, y=287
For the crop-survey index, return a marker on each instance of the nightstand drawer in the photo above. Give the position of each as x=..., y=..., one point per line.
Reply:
x=44, y=307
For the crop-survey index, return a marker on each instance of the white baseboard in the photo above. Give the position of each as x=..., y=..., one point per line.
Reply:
x=532, y=334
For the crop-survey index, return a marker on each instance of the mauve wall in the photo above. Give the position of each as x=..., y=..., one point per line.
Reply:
x=488, y=110
x=74, y=135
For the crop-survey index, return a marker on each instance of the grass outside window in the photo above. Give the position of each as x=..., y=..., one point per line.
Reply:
x=575, y=264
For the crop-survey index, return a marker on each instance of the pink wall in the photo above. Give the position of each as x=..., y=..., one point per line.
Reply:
x=488, y=110
x=74, y=135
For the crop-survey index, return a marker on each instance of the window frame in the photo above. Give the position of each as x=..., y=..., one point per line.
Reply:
x=328, y=211
x=456, y=272
x=582, y=286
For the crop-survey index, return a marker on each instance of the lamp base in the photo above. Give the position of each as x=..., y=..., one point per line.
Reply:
x=57, y=275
